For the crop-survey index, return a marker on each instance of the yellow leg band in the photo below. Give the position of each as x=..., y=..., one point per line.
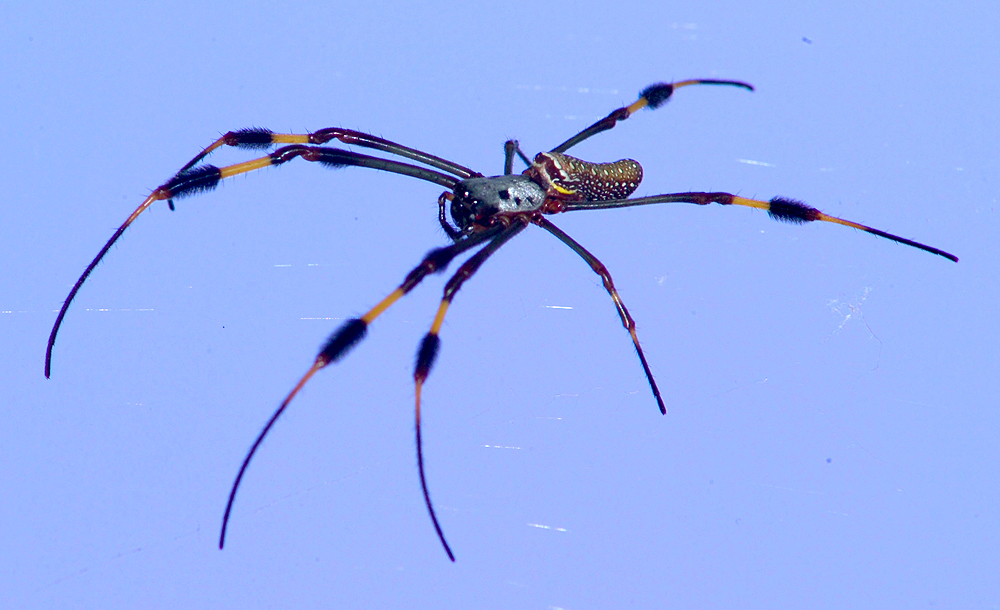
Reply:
x=382, y=306
x=439, y=318
x=637, y=105
x=751, y=203
x=289, y=138
x=246, y=166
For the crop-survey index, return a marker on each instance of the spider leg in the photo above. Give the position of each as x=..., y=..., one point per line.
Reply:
x=352, y=332
x=510, y=148
x=256, y=138
x=86, y=273
x=609, y=285
x=431, y=342
x=190, y=181
x=653, y=96
x=779, y=208
x=508, y=156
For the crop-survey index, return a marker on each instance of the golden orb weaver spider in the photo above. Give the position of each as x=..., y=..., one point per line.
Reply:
x=485, y=210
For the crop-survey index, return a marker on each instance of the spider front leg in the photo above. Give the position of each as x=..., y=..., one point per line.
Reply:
x=258, y=138
x=431, y=342
x=194, y=180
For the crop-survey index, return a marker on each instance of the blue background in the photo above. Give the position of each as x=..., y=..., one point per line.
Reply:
x=833, y=411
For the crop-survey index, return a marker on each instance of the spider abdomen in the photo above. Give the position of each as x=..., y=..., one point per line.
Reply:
x=566, y=177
